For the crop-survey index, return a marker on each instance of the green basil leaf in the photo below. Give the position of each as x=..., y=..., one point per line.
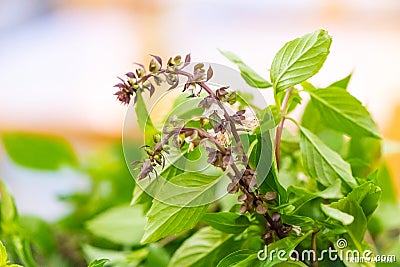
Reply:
x=299, y=59
x=165, y=219
x=343, y=112
x=321, y=162
x=227, y=222
x=250, y=76
x=367, y=196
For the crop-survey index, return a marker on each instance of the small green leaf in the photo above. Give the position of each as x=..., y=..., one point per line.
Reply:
x=367, y=196
x=39, y=151
x=98, y=263
x=227, y=222
x=250, y=76
x=121, y=225
x=299, y=59
x=343, y=112
x=336, y=214
x=205, y=248
x=321, y=162
x=164, y=219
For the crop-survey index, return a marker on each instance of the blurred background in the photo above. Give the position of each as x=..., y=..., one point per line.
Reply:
x=59, y=60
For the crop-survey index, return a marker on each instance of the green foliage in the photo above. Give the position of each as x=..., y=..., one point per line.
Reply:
x=163, y=218
x=38, y=151
x=343, y=112
x=322, y=163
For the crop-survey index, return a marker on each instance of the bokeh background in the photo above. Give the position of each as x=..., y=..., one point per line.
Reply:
x=59, y=60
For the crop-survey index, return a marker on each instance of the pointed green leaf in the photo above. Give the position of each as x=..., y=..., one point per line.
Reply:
x=367, y=196
x=299, y=59
x=227, y=222
x=321, y=162
x=250, y=76
x=343, y=83
x=205, y=248
x=165, y=219
x=343, y=112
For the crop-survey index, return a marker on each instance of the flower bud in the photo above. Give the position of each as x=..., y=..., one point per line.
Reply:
x=156, y=138
x=149, y=151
